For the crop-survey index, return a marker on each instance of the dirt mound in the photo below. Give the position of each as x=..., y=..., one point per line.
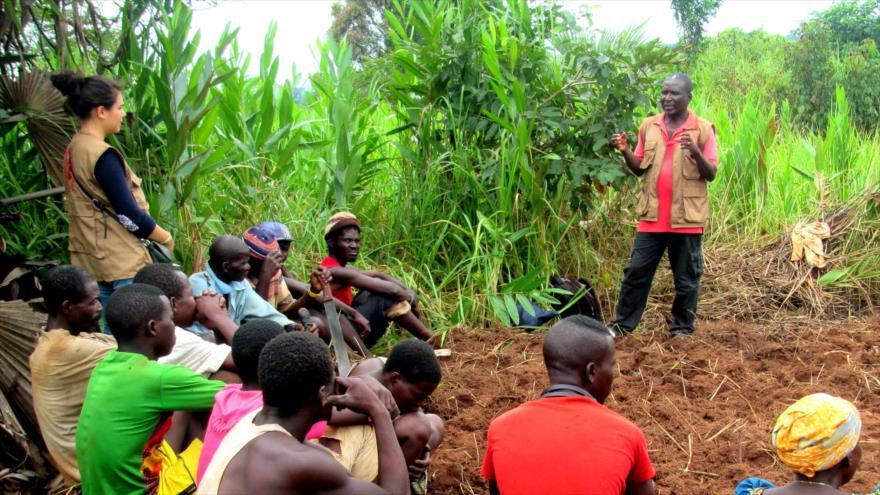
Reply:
x=706, y=404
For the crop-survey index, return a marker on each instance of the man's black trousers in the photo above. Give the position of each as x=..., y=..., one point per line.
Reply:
x=686, y=260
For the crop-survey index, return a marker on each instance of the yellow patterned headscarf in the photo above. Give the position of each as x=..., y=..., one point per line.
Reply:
x=816, y=433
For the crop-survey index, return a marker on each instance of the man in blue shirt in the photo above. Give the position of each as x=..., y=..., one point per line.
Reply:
x=228, y=265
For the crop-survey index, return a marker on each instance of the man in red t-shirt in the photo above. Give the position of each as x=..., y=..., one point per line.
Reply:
x=676, y=156
x=381, y=298
x=567, y=442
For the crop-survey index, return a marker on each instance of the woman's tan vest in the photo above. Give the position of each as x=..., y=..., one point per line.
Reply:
x=97, y=241
x=690, y=202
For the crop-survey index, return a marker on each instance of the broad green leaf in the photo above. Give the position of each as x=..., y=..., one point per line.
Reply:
x=832, y=277
x=525, y=303
x=510, y=304
x=498, y=307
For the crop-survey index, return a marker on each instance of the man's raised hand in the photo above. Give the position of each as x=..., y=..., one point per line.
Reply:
x=209, y=307
x=359, y=397
x=619, y=141
x=273, y=262
x=688, y=144
x=319, y=282
x=210, y=292
x=383, y=394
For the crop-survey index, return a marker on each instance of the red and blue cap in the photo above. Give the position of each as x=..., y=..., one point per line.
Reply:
x=260, y=241
x=278, y=229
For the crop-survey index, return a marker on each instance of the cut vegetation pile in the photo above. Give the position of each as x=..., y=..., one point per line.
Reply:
x=757, y=281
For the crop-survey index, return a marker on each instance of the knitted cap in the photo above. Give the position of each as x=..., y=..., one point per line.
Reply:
x=260, y=242
x=340, y=221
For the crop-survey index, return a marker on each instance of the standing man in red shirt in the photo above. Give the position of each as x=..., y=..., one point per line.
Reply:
x=567, y=442
x=676, y=157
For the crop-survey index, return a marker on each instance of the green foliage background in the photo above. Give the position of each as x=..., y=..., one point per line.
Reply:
x=475, y=150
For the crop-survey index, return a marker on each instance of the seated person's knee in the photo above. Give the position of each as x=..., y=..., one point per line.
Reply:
x=438, y=428
x=321, y=323
x=413, y=427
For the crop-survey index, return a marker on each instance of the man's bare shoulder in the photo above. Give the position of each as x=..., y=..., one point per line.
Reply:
x=288, y=452
x=368, y=367
x=277, y=462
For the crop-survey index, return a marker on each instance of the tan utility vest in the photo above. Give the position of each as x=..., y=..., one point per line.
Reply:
x=690, y=202
x=97, y=241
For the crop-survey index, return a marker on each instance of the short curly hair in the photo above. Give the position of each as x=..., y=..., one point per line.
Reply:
x=65, y=283
x=415, y=360
x=130, y=307
x=161, y=275
x=293, y=367
x=248, y=342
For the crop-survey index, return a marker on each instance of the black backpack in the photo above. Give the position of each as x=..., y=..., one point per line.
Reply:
x=586, y=302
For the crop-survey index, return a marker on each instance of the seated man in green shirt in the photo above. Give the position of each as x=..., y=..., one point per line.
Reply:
x=120, y=440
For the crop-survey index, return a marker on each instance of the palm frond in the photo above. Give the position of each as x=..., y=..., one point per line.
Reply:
x=32, y=98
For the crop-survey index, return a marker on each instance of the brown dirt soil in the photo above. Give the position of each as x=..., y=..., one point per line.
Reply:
x=706, y=404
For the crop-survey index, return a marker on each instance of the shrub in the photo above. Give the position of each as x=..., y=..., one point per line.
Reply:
x=735, y=65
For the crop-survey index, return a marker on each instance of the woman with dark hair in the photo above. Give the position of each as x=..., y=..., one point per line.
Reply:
x=106, y=207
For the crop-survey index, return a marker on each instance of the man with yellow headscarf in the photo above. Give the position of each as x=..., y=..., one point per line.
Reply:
x=818, y=438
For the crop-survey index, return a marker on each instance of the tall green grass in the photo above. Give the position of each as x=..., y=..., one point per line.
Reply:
x=774, y=175
x=477, y=158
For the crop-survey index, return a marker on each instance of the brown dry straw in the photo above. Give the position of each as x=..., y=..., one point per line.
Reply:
x=756, y=280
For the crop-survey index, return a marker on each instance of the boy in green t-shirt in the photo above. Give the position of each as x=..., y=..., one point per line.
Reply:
x=120, y=439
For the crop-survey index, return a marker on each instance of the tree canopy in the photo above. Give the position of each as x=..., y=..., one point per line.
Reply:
x=692, y=16
x=362, y=23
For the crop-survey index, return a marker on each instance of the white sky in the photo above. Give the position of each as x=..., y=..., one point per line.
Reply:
x=302, y=22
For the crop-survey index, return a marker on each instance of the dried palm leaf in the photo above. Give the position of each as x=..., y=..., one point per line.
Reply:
x=20, y=326
x=32, y=99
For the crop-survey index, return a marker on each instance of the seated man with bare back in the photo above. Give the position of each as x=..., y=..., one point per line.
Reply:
x=266, y=451
x=381, y=298
x=411, y=373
